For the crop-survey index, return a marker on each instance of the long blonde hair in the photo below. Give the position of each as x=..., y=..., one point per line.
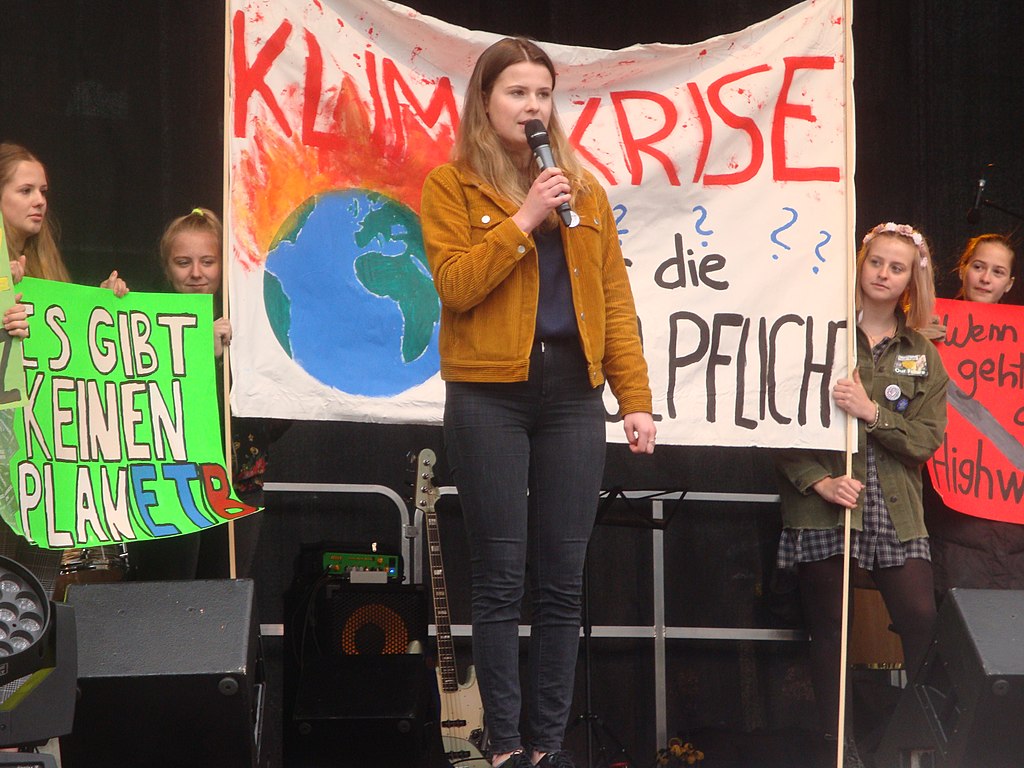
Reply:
x=479, y=149
x=918, y=300
x=42, y=256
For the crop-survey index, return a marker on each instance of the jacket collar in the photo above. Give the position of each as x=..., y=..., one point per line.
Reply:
x=472, y=179
x=585, y=205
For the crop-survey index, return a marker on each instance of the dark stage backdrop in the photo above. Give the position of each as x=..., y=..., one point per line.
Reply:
x=122, y=100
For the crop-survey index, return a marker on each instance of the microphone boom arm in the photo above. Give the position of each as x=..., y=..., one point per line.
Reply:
x=985, y=202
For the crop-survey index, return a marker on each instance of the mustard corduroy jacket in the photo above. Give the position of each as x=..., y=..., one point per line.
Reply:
x=486, y=274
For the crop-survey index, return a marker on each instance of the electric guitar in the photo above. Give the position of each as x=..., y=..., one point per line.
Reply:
x=462, y=714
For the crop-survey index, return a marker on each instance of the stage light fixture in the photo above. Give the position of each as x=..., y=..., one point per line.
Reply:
x=37, y=694
x=24, y=622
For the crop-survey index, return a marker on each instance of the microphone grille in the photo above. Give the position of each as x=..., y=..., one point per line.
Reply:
x=536, y=133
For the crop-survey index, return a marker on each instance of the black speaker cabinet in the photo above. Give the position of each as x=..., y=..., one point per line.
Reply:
x=362, y=694
x=966, y=703
x=364, y=710
x=170, y=674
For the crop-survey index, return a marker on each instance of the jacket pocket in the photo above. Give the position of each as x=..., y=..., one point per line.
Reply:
x=900, y=393
x=484, y=216
x=587, y=245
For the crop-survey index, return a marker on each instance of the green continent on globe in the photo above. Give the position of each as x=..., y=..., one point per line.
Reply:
x=349, y=296
x=279, y=310
x=404, y=278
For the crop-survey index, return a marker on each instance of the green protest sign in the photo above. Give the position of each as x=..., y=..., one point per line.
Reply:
x=120, y=438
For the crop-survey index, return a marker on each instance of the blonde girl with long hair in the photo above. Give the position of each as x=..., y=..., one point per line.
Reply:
x=897, y=393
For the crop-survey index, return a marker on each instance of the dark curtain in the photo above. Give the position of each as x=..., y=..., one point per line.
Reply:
x=123, y=102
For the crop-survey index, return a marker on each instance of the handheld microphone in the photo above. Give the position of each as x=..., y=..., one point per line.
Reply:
x=537, y=138
x=974, y=215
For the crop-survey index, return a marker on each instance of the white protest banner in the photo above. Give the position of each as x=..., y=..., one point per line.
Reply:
x=724, y=161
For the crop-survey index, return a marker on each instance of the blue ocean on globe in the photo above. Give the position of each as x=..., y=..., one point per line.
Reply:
x=349, y=294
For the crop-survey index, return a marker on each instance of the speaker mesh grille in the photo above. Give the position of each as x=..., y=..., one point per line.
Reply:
x=364, y=621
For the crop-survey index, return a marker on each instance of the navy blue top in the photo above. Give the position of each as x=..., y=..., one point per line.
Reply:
x=556, y=315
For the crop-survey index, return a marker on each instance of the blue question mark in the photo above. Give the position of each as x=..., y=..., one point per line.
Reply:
x=783, y=228
x=700, y=223
x=818, y=247
x=620, y=212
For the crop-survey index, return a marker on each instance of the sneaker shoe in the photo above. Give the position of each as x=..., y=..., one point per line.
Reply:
x=851, y=757
x=516, y=760
x=559, y=759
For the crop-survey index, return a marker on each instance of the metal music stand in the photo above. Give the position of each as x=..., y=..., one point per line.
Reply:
x=597, y=730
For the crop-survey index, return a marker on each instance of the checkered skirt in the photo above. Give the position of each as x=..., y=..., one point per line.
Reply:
x=876, y=546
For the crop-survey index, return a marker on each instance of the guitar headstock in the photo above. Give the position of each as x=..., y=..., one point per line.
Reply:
x=425, y=493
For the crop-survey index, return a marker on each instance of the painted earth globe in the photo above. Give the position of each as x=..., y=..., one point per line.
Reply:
x=349, y=295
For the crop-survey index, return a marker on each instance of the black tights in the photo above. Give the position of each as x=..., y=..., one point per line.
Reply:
x=908, y=591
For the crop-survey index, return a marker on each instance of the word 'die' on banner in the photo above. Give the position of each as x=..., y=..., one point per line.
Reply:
x=724, y=164
x=120, y=439
x=979, y=468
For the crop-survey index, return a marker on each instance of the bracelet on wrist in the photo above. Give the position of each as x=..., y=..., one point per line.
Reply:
x=878, y=415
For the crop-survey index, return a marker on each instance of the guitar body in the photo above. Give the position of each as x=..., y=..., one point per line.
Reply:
x=462, y=721
x=462, y=713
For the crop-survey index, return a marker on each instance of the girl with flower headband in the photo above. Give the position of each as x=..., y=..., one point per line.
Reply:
x=897, y=393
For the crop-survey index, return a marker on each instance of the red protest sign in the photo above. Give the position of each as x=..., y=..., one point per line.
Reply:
x=979, y=468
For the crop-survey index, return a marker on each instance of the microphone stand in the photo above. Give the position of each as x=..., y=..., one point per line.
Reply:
x=588, y=718
x=597, y=731
x=985, y=202
x=980, y=201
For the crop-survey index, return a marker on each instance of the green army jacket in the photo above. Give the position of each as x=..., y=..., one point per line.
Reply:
x=909, y=384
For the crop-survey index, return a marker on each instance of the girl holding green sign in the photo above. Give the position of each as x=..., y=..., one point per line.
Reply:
x=32, y=247
x=191, y=257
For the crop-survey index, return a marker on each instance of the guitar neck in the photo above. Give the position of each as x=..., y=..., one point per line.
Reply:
x=426, y=496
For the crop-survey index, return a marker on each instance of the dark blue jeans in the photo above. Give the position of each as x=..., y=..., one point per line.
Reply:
x=528, y=458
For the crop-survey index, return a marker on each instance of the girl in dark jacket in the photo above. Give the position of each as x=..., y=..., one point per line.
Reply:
x=897, y=393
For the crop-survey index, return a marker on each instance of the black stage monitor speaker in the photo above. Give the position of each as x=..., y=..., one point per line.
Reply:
x=966, y=703
x=170, y=674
